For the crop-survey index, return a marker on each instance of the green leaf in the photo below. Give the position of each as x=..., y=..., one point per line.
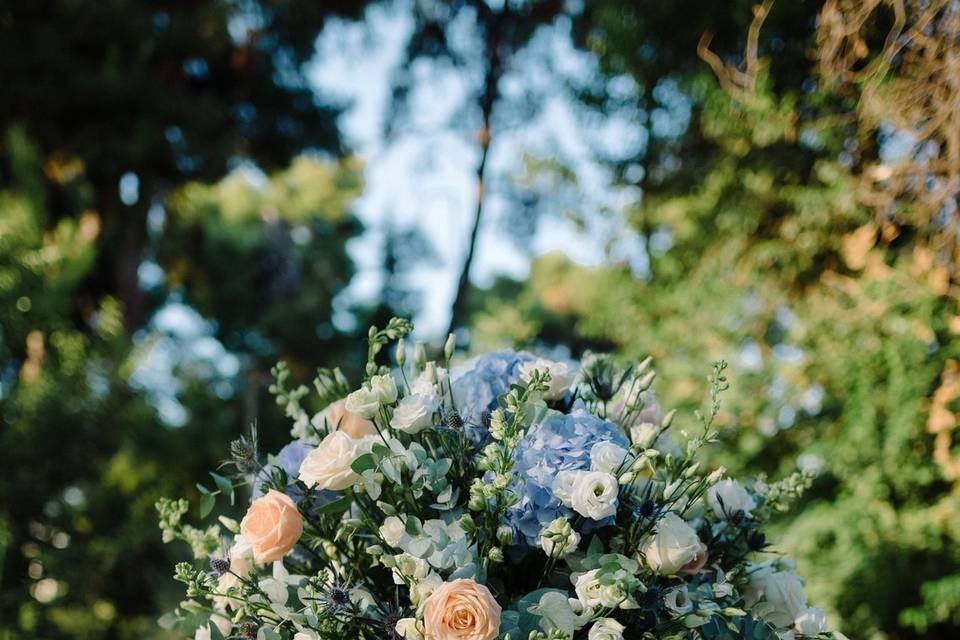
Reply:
x=202, y=489
x=224, y=485
x=207, y=501
x=363, y=463
x=337, y=507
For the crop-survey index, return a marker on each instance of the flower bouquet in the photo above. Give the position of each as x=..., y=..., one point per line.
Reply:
x=518, y=498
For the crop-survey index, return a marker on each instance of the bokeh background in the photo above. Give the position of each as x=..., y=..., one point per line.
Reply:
x=193, y=190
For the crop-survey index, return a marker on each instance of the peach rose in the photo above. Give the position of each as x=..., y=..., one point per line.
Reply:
x=695, y=565
x=461, y=610
x=339, y=418
x=272, y=526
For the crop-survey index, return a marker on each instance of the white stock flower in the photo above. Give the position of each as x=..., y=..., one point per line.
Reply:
x=727, y=497
x=673, y=545
x=608, y=457
x=606, y=629
x=385, y=388
x=328, y=466
x=811, y=621
x=364, y=402
x=561, y=376
x=414, y=413
x=563, y=486
x=595, y=495
x=558, y=539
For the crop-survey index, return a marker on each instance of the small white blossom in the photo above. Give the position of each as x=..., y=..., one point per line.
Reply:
x=561, y=376
x=595, y=495
x=558, y=539
x=415, y=413
x=727, y=497
x=606, y=629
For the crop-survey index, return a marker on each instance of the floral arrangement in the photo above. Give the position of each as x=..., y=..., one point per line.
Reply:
x=517, y=498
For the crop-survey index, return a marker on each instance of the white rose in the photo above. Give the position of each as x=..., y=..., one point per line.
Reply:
x=561, y=376
x=727, y=497
x=595, y=495
x=607, y=457
x=674, y=545
x=385, y=387
x=414, y=413
x=563, y=486
x=678, y=601
x=811, y=621
x=784, y=592
x=606, y=629
x=393, y=531
x=328, y=466
x=588, y=589
x=363, y=402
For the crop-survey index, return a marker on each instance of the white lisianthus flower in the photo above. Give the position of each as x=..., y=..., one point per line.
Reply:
x=306, y=634
x=563, y=486
x=727, y=497
x=422, y=589
x=414, y=413
x=328, y=466
x=678, y=601
x=558, y=539
x=561, y=376
x=410, y=567
x=811, y=621
x=595, y=495
x=409, y=629
x=607, y=457
x=588, y=589
x=394, y=532
x=363, y=402
x=558, y=612
x=606, y=629
x=674, y=545
x=644, y=435
x=385, y=387
x=203, y=633
x=783, y=591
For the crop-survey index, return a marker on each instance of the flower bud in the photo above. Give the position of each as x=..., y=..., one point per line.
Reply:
x=401, y=352
x=505, y=534
x=495, y=555
x=449, y=347
x=419, y=355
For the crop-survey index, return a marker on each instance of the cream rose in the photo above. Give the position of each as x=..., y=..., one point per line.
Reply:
x=272, y=526
x=673, y=547
x=336, y=417
x=595, y=494
x=461, y=610
x=328, y=466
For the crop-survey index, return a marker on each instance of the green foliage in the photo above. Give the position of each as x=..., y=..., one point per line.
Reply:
x=838, y=328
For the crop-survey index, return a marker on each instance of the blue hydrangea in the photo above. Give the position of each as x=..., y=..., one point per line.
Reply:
x=289, y=459
x=559, y=443
x=477, y=388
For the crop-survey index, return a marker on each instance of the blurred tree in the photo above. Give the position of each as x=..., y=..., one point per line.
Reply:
x=145, y=97
x=761, y=249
